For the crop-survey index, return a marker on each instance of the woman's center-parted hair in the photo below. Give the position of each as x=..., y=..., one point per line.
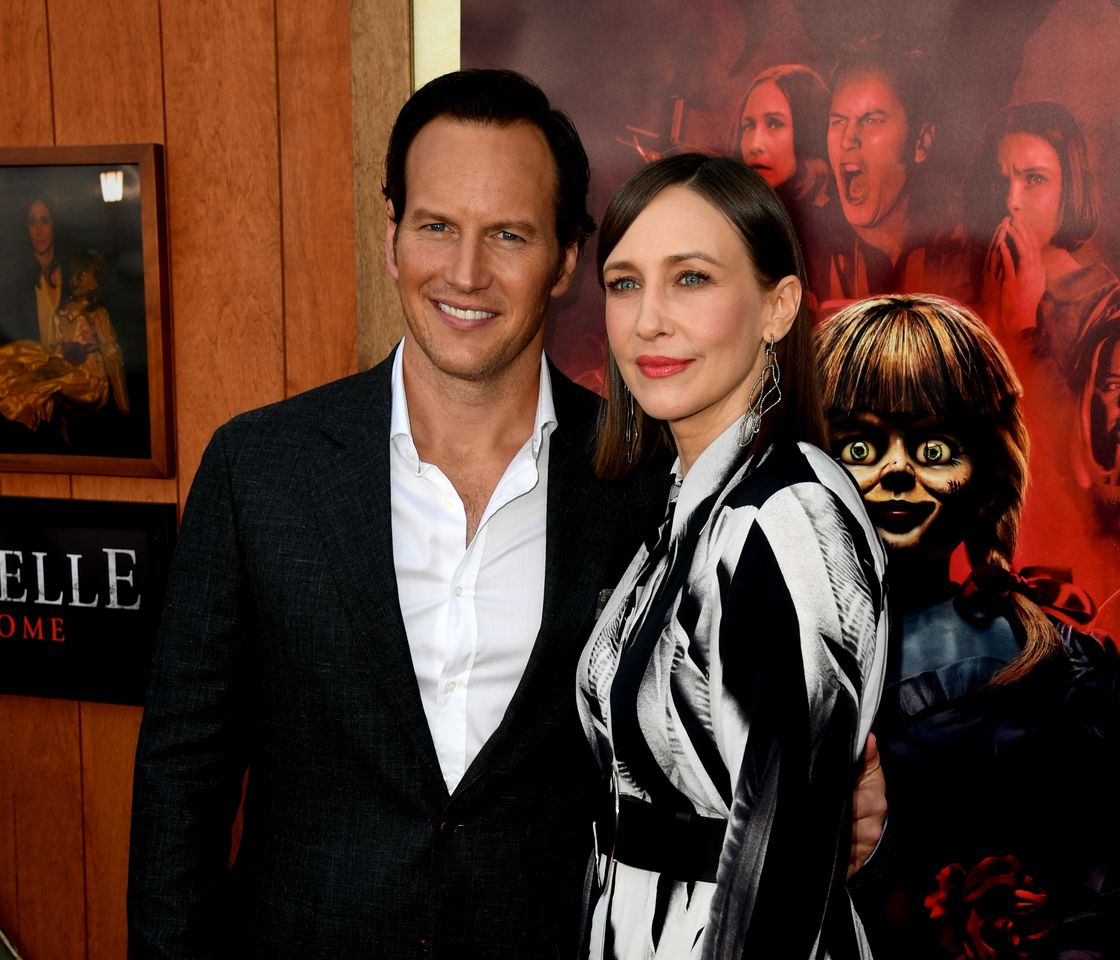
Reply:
x=764, y=226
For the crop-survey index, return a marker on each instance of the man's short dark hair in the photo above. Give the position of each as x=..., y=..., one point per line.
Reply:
x=911, y=72
x=499, y=98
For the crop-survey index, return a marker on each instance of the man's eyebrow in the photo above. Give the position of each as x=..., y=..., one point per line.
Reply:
x=421, y=213
x=526, y=227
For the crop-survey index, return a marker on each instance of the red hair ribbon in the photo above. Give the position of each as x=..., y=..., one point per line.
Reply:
x=1050, y=588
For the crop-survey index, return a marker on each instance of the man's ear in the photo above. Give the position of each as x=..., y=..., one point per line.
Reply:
x=391, y=240
x=926, y=135
x=568, y=262
x=785, y=301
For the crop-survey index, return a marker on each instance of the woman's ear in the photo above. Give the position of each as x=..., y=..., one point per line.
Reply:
x=785, y=301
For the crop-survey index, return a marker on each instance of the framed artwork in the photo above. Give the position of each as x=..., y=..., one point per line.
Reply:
x=81, y=589
x=84, y=324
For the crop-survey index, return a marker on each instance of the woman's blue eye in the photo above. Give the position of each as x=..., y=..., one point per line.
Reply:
x=622, y=284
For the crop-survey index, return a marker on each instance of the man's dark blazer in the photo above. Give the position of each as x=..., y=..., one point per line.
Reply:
x=283, y=650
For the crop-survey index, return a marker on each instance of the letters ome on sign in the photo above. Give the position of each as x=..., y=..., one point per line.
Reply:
x=81, y=591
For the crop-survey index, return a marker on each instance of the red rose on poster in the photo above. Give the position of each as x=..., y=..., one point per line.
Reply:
x=995, y=911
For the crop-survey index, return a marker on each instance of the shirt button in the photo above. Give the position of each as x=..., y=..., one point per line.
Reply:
x=458, y=591
x=451, y=685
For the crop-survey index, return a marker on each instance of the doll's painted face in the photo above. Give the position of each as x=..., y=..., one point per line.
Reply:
x=83, y=281
x=914, y=474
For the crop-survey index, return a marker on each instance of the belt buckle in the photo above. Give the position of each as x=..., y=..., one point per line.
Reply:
x=605, y=873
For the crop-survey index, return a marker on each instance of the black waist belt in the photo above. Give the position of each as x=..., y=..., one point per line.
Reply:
x=677, y=844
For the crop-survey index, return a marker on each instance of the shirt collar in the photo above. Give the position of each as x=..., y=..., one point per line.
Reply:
x=400, y=427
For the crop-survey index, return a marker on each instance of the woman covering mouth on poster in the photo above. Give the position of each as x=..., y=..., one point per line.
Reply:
x=1031, y=201
x=729, y=684
x=998, y=716
x=781, y=132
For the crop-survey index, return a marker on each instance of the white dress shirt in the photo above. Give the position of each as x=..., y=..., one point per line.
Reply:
x=471, y=611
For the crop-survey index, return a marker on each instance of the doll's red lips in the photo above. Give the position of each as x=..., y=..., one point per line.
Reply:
x=658, y=367
x=899, y=516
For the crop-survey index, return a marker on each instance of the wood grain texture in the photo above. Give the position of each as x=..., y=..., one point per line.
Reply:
x=129, y=489
x=35, y=485
x=26, y=119
x=46, y=784
x=317, y=191
x=381, y=59
x=108, y=751
x=106, y=70
x=8, y=880
x=223, y=189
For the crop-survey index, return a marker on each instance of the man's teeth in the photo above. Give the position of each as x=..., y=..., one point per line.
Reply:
x=466, y=314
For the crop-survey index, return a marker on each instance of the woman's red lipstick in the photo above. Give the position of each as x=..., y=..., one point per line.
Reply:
x=658, y=367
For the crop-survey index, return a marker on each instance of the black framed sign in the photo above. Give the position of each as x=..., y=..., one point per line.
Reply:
x=81, y=590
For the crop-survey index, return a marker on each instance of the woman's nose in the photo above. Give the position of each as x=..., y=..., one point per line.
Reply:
x=653, y=316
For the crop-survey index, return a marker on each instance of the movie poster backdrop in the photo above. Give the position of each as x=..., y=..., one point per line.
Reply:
x=644, y=79
x=1008, y=173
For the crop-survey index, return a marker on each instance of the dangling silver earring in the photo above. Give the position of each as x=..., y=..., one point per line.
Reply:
x=631, y=433
x=766, y=397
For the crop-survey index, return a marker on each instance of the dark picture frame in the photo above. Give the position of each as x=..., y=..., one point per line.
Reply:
x=85, y=381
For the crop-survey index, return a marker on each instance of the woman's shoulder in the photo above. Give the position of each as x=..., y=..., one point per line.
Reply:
x=799, y=496
x=802, y=476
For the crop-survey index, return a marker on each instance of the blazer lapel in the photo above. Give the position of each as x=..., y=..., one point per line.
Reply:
x=582, y=514
x=350, y=489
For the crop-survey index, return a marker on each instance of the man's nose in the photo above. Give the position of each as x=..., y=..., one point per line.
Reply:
x=467, y=270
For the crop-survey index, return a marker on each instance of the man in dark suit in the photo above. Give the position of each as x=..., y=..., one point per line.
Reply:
x=380, y=593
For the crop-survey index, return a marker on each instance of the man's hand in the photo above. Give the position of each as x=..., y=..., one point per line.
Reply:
x=869, y=808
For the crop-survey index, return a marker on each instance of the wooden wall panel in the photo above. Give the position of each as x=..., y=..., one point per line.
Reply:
x=108, y=749
x=47, y=813
x=105, y=67
x=8, y=879
x=35, y=485
x=381, y=55
x=25, y=76
x=224, y=214
x=317, y=187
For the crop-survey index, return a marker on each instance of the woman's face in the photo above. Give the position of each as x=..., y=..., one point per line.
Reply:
x=687, y=317
x=914, y=474
x=40, y=227
x=767, y=139
x=1031, y=174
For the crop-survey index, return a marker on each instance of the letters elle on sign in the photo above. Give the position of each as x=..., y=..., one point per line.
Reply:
x=81, y=591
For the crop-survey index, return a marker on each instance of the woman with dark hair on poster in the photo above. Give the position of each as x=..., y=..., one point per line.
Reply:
x=729, y=684
x=34, y=276
x=998, y=716
x=1031, y=203
x=781, y=131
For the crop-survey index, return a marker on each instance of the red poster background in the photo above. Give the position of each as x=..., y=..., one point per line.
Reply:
x=648, y=76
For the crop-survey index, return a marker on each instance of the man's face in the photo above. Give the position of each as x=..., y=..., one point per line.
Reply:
x=871, y=147
x=474, y=253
